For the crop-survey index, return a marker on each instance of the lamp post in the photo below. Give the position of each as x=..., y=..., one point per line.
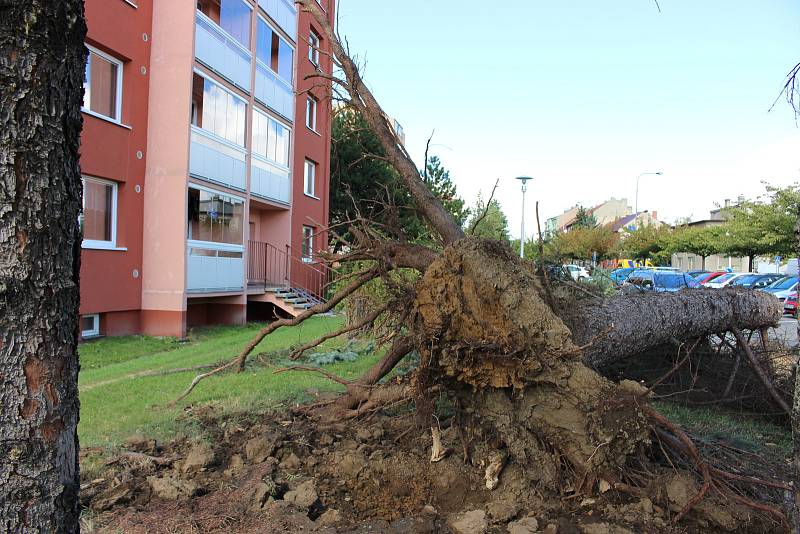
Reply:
x=659, y=173
x=524, y=180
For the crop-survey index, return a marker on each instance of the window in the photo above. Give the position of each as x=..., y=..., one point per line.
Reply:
x=311, y=178
x=307, y=246
x=90, y=325
x=102, y=83
x=311, y=113
x=270, y=139
x=218, y=111
x=274, y=51
x=233, y=16
x=99, y=219
x=313, y=47
x=215, y=217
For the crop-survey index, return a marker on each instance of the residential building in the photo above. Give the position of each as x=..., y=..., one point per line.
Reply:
x=634, y=221
x=604, y=213
x=206, y=154
x=716, y=262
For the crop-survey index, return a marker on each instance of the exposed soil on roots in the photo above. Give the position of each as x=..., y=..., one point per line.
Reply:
x=282, y=473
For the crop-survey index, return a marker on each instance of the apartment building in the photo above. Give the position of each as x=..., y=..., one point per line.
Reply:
x=205, y=154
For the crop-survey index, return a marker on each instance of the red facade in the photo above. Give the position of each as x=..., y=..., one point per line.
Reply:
x=132, y=279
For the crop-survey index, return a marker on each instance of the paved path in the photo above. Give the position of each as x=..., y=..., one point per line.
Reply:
x=787, y=330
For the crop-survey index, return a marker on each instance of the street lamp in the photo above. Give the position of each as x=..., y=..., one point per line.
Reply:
x=524, y=180
x=659, y=173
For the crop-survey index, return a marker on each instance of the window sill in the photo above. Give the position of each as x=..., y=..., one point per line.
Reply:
x=95, y=246
x=104, y=118
x=311, y=196
x=130, y=3
x=313, y=130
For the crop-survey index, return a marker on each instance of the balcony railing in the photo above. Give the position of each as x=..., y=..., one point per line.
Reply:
x=215, y=159
x=284, y=13
x=270, y=181
x=220, y=52
x=213, y=267
x=273, y=91
x=270, y=266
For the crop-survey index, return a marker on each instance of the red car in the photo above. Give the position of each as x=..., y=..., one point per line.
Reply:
x=708, y=277
x=790, y=305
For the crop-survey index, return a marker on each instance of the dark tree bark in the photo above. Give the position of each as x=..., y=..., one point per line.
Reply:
x=621, y=327
x=796, y=423
x=42, y=59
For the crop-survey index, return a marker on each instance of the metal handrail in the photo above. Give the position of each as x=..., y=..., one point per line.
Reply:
x=268, y=265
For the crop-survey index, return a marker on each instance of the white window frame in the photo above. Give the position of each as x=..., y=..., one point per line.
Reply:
x=213, y=244
x=310, y=257
x=313, y=47
x=311, y=113
x=310, y=179
x=87, y=95
x=95, y=331
x=96, y=243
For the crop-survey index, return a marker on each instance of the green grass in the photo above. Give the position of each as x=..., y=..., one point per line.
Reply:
x=715, y=424
x=118, y=402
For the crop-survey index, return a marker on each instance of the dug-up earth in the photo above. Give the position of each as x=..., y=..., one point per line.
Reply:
x=282, y=473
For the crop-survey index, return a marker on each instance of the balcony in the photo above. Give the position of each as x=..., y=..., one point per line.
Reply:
x=214, y=267
x=221, y=53
x=284, y=13
x=274, y=92
x=269, y=181
x=217, y=160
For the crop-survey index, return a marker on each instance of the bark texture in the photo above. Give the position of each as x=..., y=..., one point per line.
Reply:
x=621, y=327
x=42, y=59
x=795, y=512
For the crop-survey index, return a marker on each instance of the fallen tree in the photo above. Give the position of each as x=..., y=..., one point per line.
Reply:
x=636, y=323
x=490, y=341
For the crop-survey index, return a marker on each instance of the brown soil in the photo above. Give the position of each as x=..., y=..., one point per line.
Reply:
x=366, y=476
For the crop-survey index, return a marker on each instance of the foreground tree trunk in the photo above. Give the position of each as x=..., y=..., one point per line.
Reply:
x=620, y=327
x=796, y=422
x=42, y=59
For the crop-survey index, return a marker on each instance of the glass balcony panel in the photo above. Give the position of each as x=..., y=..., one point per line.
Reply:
x=215, y=159
x=220, y=52
x=269, y=181
x=284, y=13
x=212, y=267
x=273, y=92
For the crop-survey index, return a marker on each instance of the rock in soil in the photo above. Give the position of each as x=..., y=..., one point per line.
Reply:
x=259, y=449
x=529, y=525
x=173, y=488
x=330, y=518
x=473, y=522
x=305, y=496
x=200, y=457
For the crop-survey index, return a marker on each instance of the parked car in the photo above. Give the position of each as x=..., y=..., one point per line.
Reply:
x=755, y=281
x=790, y=305
x=725, y=280
x=620, y=275
x=704, y=279
x=577, y=272
x=658, y=281
x=697, y=273
x=782, y=287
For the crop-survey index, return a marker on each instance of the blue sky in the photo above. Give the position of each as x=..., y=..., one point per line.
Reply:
x=584, y=95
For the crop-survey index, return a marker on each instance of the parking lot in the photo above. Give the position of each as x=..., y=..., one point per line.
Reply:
x=787, y=331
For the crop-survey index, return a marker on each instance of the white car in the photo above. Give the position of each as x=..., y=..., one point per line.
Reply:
x=577, y=272
x=725, y=280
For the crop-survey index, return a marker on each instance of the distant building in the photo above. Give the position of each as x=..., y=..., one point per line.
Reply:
x=613, y=213
x=687, y=262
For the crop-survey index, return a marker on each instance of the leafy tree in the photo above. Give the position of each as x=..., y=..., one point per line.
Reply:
x=703, y=242
x=583, y=242
x=763, y=227
x=488, y=221
x=363, y=182
x=647, y=242
x=583, y=219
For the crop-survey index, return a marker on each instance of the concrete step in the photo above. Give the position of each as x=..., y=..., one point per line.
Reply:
x=297, y=300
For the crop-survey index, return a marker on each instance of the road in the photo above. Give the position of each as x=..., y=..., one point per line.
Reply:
x=787, y=331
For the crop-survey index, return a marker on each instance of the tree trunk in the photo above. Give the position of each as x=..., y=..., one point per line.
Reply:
x=621, y=327
x=795, y=512
x=42, y=59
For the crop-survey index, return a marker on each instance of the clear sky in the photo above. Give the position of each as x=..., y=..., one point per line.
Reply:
x=584, y=95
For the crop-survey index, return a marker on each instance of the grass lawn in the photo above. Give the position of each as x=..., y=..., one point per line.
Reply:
x=117, y=402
